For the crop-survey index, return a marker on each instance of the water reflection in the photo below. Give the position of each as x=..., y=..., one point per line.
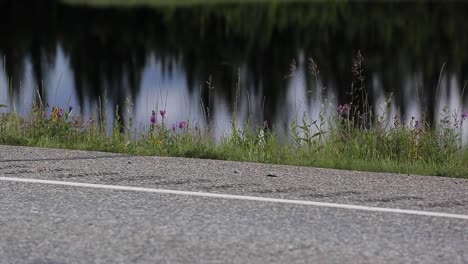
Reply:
x=154, y=58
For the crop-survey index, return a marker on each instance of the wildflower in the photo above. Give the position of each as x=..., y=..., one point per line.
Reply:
x=416, y=124
x=153, y=118
x=162, y=113
x=182, y=124
x=70, y=109
x=174, y=127
x=344, y=109
x=57, y=113
x=464, y=115
x=265, y=124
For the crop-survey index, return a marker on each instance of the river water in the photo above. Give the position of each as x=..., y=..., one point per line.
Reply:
x=209, y=63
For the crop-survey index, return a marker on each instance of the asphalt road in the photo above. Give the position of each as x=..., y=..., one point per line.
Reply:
x=307, y=215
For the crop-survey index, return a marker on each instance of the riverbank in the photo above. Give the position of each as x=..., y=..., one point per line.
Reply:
x=337, y=141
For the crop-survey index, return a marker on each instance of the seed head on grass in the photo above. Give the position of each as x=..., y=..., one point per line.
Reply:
x=261, y=139
x=292, y=70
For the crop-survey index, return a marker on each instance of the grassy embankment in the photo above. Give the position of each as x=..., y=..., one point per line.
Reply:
x=414, y=148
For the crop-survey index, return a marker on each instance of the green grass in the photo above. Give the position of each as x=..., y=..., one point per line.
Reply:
x=403, y=148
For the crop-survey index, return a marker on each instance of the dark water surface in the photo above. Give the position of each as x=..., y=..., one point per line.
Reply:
x=162, y=57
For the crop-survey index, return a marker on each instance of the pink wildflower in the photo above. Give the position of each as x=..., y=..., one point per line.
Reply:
x=344, y=109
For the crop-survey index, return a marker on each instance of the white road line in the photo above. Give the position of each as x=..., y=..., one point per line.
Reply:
x=237, y=197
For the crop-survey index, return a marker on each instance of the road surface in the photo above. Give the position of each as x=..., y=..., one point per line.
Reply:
x=62, y=206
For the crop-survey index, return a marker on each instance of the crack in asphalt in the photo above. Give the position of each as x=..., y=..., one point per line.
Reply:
x=392, y=199
x=445, y=204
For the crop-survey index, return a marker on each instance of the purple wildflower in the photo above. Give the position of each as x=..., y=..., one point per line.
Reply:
x=70, y=108
x=464, y=115
x=182, y=124
x=174, y=127
x=344, y=109
x=162, y=113
x=416, y=123
x=153, y=118
x=265, y=124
